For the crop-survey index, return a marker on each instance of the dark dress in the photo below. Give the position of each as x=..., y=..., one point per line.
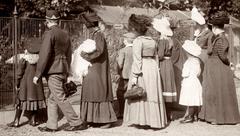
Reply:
x=204, y=40
x=97, y=96
x=166, y=70
x=219, y=93
x=178, y=58
x=31, y=96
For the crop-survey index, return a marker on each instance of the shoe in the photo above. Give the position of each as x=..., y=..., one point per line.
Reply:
x=105, y=126
x=76, y=128
x=33, y=123
x=187, y=120
x=213, y=123
x=13, y=124
x=46, y=129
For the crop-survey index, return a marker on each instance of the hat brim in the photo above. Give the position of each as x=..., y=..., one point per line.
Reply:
x=52, y=18
x=192, y=52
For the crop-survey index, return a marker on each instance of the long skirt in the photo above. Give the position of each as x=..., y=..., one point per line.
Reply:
x=97, y=112
x=168, y=81
x=150, y=111
x=219, y=94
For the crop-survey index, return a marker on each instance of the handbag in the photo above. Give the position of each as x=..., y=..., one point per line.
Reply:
x=135, y=93
x=69, y=88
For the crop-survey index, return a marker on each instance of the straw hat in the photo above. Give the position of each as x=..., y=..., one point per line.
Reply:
x=192, y=48
x=197, y=16
x=162, y=25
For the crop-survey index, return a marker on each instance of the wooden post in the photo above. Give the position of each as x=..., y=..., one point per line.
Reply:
x=15, y=49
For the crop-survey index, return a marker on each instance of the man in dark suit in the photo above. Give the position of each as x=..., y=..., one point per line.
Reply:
x=54, y=62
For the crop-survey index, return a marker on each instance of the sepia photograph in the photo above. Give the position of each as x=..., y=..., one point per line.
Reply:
x=119, y=68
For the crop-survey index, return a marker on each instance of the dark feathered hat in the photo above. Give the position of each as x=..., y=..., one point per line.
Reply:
x=219, y=18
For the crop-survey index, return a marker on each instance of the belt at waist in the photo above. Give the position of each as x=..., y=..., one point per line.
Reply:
x=166, y=58
x=148, y=57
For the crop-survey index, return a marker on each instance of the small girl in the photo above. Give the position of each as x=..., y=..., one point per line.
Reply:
x=30, y=97
x=191, y=89
x=79, y=66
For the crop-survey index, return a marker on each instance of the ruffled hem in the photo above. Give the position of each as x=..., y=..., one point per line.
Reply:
x=33, y=105
x=97, y=112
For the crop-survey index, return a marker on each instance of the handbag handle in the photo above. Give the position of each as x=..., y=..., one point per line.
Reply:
x=137, y=85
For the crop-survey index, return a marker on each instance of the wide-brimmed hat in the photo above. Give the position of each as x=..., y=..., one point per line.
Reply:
x=162, y=25
x=33, y=45
x=192, y=48
x=219, y=18
x=197, y=16
x=52, y=14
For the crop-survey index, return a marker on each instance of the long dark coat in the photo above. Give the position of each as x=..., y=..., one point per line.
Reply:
x=97, y=85
x=219, y=93
x=28, y=90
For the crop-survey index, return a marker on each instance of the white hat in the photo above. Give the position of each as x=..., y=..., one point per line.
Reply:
x=192, y=48
x=196, y=16
x=163, y=26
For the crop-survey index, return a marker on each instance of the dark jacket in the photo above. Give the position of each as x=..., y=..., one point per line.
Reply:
x=28, y=90
x=219, y=48
x=204, y=39
x=55, y=53
x=97, y=85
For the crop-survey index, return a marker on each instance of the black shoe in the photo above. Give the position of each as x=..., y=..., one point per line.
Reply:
x=46, y=129
x=105, y=126
x=187, y=120
x=33, y=123
x=75, y=128
x=13, y=124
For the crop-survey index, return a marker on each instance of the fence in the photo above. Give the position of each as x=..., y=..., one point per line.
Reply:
x=13, y=32
x=17, y=30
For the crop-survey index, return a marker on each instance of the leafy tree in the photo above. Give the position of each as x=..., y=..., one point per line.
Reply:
x=211, y=6
x=36, y=8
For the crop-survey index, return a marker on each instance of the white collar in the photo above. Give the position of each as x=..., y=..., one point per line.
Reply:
x=129, y=45
x=218, y=31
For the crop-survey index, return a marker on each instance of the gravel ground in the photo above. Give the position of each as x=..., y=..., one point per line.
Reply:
x=174, y=128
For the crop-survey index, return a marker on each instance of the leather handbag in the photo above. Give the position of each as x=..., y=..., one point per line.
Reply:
x=135, y=93
x=69, y=88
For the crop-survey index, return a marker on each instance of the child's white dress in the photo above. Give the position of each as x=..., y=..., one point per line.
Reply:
x=191, y=89
x=79, y=66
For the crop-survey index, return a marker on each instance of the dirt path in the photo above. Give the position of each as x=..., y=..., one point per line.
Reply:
x=174, y=129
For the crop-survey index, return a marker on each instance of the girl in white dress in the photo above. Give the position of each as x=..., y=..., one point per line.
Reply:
x=191, y=89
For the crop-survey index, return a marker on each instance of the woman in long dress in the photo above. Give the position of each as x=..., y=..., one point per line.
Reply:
x=97, y=96
x=219, y=93
x=164, y=47
x=150, y=111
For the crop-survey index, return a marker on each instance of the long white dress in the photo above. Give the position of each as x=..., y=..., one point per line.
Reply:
x=191, y=89
x=150, y=111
